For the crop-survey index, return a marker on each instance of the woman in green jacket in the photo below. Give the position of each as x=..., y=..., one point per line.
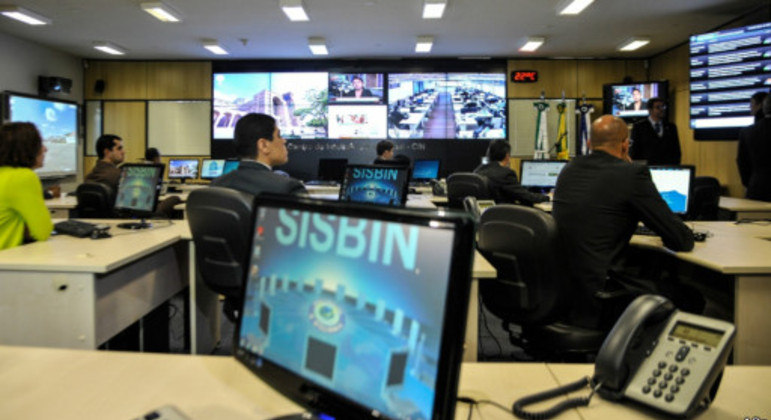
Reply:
x=23, y=214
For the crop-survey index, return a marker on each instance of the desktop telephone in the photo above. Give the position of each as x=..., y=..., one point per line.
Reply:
x=438, y=188
x=656, y=356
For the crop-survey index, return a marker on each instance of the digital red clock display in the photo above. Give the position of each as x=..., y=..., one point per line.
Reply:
x=524, y=76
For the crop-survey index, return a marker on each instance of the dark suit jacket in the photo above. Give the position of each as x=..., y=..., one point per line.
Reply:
x=106, y=173
x=255, y=178
x=598, y=202
x=505, y=185
x=755, y=162
x=647, y=145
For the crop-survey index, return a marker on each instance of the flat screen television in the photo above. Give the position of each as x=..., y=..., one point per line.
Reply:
x=57, y=121
x=360, y=88
x=138, y=189
x=357, y=312
x=183, y=169
x=425, y=170
x=674, y=183
x=212, y=168
x=630, y=100
x=540, y=174
x=726, y=68
x=376, y=184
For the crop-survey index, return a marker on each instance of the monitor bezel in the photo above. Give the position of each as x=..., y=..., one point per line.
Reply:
x=203, y=163
x=134, y=212
x=404, y=191
x=198, y=170
x=438, y=169
x=317, y=397
x=689, y=200
x=522, y=171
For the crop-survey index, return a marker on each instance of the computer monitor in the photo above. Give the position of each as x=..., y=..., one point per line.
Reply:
x=357, y=312
x=230, y=166
x=540, y=174
x=183, y=169
x=138, y=190
x=674, y=185
x=376, y=184
x=425, y=170
x=212, y=168
x=332, y=169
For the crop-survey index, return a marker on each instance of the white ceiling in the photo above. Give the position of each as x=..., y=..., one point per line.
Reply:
x=373, y=28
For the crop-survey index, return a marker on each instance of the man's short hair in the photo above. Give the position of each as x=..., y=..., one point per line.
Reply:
x=383, y=146
x=152, y=153
x=498, y=150
x=20, y=144
x=758, y=97
x=654, y=100
x=767, y=106
x=105, y=141
x=249, y=129
x=357, y=77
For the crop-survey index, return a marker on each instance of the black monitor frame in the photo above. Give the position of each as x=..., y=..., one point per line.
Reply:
x=137, y=213
x=330, y=169
x=402, y=191
x=522, y=173
x=319, y=399
x=203, y=164
x=183, y=178
x=415, y=165
x=689, y=199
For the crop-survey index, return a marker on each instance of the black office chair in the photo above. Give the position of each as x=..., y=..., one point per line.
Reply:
x=471, y=205
x=532, y=289
x=95, y=201
x=221, y=223
x=463, y=184
x=706, y=198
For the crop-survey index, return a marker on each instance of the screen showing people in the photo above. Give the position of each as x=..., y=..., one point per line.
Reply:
x=321, y=105
x=138, y=189
x=354, y=305
x=212, y=168
x=631, y=100
x=541, y=174
x=57, y=122
x=674, y=185
x=183, y=168
x=726, y=68
x=376, y=184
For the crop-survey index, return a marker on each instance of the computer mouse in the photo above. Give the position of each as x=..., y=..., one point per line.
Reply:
x=100, y=234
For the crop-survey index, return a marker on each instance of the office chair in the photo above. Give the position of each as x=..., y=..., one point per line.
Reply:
x=95, y=201
x=463, y=184
x=706, y=199
x=471, y=205
x=221, y=223
x=532, y=288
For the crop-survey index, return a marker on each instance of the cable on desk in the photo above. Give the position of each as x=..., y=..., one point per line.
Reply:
x=476, y=403
x=518, y=407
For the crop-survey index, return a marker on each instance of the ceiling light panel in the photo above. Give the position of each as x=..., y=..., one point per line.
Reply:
x=294, y=10
x=424, y=44
x=109, y=48
x=318, y=46
x=214, y=47
x=434, y=9
x=161, y=11
x=573, y=7
x=24, y=15
x=633, y=43
x=533, y=43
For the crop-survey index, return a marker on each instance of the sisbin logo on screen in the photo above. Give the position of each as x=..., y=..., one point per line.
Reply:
x=351, y=240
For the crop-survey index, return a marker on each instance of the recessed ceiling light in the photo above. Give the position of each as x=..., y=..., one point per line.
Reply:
x=532, y=44
x=161, y=11
x=424, y=44
x=573, y=7
x=434, y=9
x=23, y=15
x=294, y=10
x=214, y=46
x=633, y=43
x=109, y=48
x=317, y=45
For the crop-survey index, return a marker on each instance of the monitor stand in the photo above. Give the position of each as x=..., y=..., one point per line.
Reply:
x=143, y=224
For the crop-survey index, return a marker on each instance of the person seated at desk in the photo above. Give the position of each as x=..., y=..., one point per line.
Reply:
x=23, y=213
x=385, y=152
x=503, y=180
x=260, y=147
x=598, y=202
x=152, y=155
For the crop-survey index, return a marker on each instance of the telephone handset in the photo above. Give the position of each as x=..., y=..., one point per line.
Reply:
x=438, y=188
x=657, y=356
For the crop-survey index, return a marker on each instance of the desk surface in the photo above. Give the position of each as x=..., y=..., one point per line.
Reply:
x=81, y=384
x=744, y=205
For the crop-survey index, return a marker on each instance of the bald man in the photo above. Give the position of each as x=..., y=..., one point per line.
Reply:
x=598, y=202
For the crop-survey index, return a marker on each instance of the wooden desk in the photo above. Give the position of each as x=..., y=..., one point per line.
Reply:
x=744, y=252
x=60, y=207
x=743, y=208
x=40, y=383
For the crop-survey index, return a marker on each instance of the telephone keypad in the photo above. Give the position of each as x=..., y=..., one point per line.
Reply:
x=663, y=364
x=679, y=380
x=685, y=372
x=651, y=381
x=657, y=393
x=663, y=384
x=669, y=397
x=680, y=356
x=673, y=368
x=646, y=389
x=674, y=388
x=656, y=372
x=668, y=376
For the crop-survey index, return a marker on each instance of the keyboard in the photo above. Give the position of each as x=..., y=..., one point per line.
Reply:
x=322, y=183
x=646, y=231
x=75, y=228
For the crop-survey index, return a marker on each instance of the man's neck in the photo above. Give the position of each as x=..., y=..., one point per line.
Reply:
x=264, y=162
x=654, y=120
x=107, y=161
x=613, y=151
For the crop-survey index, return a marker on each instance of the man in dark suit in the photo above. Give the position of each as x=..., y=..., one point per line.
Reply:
x=260, y=147
x=598, y=202
x=655, y=140
x=754, y=152
x=743, y=156
x=503, y=181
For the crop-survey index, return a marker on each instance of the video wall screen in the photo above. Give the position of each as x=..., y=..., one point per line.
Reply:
x=328, y=105
x=726, y=68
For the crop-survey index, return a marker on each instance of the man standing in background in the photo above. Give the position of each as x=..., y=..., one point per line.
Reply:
x=655, y=140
